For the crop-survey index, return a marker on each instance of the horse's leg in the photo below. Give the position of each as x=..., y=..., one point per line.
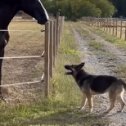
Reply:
x=1, y=55
x=3, y=41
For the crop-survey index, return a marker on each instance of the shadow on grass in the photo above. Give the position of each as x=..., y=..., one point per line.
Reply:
x=69, y=117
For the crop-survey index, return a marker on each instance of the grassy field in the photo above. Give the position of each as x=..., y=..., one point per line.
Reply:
x=105, y=34
x=23, y=43
x=113, y=39
x=61, y=108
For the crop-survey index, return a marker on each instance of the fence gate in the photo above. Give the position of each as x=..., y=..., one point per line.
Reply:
x=53, y=31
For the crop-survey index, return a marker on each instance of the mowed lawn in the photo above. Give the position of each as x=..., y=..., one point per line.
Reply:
x=27, y=40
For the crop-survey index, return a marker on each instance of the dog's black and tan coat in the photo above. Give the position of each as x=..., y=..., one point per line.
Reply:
x=97, y=84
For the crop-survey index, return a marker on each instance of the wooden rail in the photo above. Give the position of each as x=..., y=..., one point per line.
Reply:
x=53, y=31
x=113, y=26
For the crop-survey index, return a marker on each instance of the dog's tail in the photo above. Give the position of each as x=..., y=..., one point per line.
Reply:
x=123, y=83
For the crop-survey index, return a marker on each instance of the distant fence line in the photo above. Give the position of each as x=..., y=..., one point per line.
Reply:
x=114, y=26
x=53, y=31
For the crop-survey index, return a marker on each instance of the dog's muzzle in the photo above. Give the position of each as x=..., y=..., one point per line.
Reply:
x=69, y=72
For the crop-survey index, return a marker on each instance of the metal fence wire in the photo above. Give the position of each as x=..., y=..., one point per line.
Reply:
x=52, y=33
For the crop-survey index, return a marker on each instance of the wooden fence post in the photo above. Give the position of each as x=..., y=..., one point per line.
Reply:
x=57, y=33
x=100, y=24
x=47, y=45
x=116, y=27
x=113, y=26
x=59, y=38
x=54, y=42
x=107, y=25
x=97, y=22
x=110, y=25
x=52, y=39
x=103, y=24
x=51, y=48
x=62, y=25
x=121, y=28
x=125, y=31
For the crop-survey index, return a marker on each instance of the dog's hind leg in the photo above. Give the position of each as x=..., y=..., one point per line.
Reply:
x=90, y=102
x=84, y=102
x=112, y=97
x=121, y=100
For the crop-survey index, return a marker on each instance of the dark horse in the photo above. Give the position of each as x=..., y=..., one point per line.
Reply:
x=8, y=9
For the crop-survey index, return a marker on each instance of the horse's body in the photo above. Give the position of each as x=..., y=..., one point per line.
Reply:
x=8, y=9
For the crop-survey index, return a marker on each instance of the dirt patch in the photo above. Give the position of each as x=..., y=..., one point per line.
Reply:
x=101, y=59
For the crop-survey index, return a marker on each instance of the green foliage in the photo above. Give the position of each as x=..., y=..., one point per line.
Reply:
x=75, y=9
x=105, y=6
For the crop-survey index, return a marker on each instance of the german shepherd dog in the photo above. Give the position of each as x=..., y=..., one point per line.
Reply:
x=97, y=84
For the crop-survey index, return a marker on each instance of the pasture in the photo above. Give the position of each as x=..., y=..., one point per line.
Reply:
x=62, y=107
x=103, y=54
x=26, y=40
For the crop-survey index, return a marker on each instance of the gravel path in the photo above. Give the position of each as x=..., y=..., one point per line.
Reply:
x=98, y=62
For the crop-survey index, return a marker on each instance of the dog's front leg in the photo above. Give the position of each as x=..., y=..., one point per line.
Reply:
x=84, y=102
x=90, y=102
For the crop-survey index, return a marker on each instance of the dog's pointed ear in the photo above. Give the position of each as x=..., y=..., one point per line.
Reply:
x=81, y=65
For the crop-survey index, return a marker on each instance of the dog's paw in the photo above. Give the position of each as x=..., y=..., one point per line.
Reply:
x=119, y=111
x=82, y=109
x=105, y=113
x=91, y=110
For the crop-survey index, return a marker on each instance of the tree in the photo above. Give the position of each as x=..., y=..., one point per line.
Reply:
x=105, y=6
x=87, y=8
x=75, y=9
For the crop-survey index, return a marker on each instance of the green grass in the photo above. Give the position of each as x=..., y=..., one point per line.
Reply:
x=60, y=108
x=65, y=85
x=107, y=36
x=110, y=38
x=96, y=45
x=121, y=69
